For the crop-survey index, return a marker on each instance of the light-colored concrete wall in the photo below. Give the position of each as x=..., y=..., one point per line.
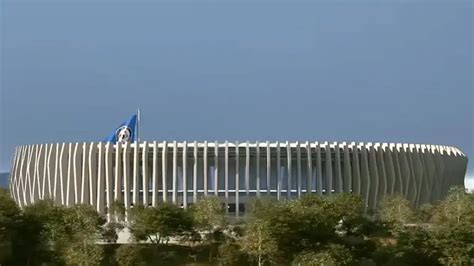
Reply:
x=136, y=173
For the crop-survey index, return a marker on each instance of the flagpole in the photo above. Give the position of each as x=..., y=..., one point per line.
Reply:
x=138, y=124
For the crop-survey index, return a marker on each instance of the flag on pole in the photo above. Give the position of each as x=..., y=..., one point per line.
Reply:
x=125, y=132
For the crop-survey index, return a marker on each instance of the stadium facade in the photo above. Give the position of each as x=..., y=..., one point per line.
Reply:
x=182, y=172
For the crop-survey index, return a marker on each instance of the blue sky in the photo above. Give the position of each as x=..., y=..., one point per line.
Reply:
x=394, y=71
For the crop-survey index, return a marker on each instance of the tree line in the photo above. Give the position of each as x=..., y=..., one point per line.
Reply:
x=312, y=230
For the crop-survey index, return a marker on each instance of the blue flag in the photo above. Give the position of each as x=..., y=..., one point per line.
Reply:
x=125, y=132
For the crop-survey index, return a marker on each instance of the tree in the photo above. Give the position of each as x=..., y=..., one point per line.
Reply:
x=209, y=214
x=453, y=226
x=229, y=254
x=456, y=209
x=117, y=209
x=43, y=230
x=209, y=218
x=10, y=231
x=396, y=211
x=131, y=255
x=258, y=241
x=332, y=255
x=158, y=224
x=84, y=226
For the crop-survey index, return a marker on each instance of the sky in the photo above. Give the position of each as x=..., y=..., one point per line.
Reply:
x=376, y=71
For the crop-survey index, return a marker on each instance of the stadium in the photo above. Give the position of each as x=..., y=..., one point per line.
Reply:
x=146, y=173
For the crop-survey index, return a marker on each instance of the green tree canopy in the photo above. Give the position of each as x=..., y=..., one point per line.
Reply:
x=158, y=224
x=209, y=214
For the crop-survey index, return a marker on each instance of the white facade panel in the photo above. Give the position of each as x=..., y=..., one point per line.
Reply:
x=142, y=173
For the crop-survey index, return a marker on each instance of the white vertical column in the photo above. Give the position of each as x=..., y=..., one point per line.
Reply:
x=382, y=189
x=298, y=167
x=278, y=171
x=77, y=173
x=269, y=169
x=44, y=194
x=356, y=186
x=101, y=180
x=204, y=157
x=288, y=179
x=136, y=166
x=21, y=188
x=175, y=170
x=164, y=164
x=70, y=181
x=25, y=175
x=146, y=190
x=247, y=168
x=35, y=186
x=365, y=175
x=388, y=149
x=226, y=176
x=118, y=173
x=109, y=170
x=56, y=195
x=126, y=178
x=85, y=175
x=419, y=173
x=33, y=172
x=23, y=196
x=216, y=168
x=405, y=169
x=62, y=172
x=374, y=177
x=329, y=183
x=39, y=162
x=347, y=169
x=398, y=170
x=338, y=180
x=257, y=155
x=237, y=181
x=319, y=170
x=195, y=171
x=185, y=175
x=41, y=169
x=93, y=174
x=49, y=166
x=309, y=169
x=30, y=174
x=154, y=193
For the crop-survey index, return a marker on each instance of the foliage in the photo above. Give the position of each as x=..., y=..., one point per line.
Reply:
x=109, y=232
x=259, y=242
x=209, y=214
x=396, y=211
x=80, y=253
x=311, y=230
x=455, y=245
x=209, y=219
x=229, y=254
x=158, y=224
x=456, y=209
x=10, y=229
x=307, y=223
x=130, y=255
x=332, y=255
x=10, y=215
x=117, y=210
